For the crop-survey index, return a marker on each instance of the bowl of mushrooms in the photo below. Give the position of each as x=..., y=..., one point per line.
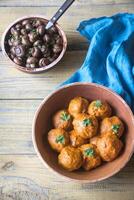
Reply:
x=31, y=47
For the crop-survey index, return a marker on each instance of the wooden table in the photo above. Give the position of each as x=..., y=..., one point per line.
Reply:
x=22, y=175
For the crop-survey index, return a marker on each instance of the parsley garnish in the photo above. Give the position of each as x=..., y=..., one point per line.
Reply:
x=65, y=116
x=115, y=128
x=87, y=122
x=12, y=37
x=89, y=152
x=60, y=139
x=33, y=30
x=98, y=103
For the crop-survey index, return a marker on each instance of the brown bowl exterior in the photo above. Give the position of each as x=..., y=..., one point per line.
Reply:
x=58, y=100
x=41, y=69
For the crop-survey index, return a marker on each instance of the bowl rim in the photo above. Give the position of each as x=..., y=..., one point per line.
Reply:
x=34, y=138
x=36, y=70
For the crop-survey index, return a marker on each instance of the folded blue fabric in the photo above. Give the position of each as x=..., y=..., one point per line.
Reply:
x=110, y=57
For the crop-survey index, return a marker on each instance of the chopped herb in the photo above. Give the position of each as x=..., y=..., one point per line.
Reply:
x=98, y=103
x=65, y=116
x=60, y=139
x=87, y=122
x=89, y=152
x=34, y=30
x=115, y=128
x=12, y=37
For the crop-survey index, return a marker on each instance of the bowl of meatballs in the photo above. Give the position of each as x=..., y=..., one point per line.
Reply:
x=32, y=48
x=84, y=132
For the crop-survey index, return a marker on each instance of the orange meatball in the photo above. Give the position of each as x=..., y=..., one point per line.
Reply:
x=91, y=157
x=78, y=105
x=70, y=158
x=62, y=119
x=109, y=147
x=99, y=109
x=112, y=125
x=77, y=140
x=58, y=139
x=85, y=125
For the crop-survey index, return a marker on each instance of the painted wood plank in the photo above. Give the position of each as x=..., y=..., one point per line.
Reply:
x=24, y=177
x=22, y=171
x=9, y=14
x=16, y=126
x=16, y=84
x=58, y=3
x=73, y=17
x=69, y=21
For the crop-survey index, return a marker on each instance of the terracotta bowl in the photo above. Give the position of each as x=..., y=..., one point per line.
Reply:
x=60, y=99
x=36, y=70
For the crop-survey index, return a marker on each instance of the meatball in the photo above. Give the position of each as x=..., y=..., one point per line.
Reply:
x=58, y=139
x=99, y=109
x=78, y=105
x=91, y=157
x=109, y=147
x=112, y=125
x=62, y=119
x=70, y=158
x=77, y=140
x=85, y=125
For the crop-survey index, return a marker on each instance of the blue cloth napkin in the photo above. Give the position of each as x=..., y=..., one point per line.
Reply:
x=110, y=57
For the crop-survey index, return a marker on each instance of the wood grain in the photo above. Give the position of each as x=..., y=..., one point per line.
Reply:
x=72, y=35
x=22, y=175
x=32, y=3
x=21, y=169
x=15, y=84
x=16, y=126
x=69, y=21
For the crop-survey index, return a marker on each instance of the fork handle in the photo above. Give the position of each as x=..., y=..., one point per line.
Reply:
x=62, y=10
